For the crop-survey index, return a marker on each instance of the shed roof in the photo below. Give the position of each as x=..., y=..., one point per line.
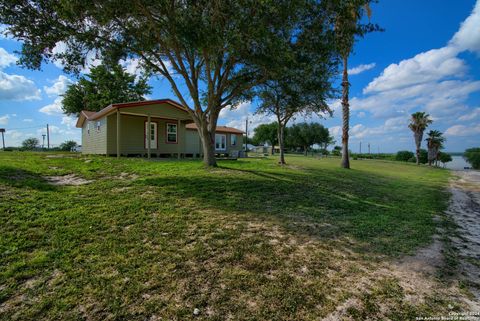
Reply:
x=220, y=129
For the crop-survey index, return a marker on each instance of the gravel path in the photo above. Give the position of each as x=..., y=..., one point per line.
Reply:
x=465, y=209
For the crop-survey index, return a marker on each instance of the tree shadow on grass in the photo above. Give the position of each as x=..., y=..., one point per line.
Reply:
x=21, y=178
x=367, y=208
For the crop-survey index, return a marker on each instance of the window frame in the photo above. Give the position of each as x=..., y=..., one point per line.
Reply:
x=225, y=145
x=167, y=133
x=233, y=137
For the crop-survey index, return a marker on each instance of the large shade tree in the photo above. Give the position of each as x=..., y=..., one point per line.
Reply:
x=266, y=133
x=212, y=53
x=349, y=26
x=300, y=83
x=418, y=123
x=104, y=85
x=305, y=135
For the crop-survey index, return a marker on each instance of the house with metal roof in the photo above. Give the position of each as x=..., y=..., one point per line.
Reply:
x=152, y=128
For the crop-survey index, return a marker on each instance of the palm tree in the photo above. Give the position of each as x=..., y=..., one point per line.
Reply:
x=435, y=142
x=418, y=123
x=346, y=29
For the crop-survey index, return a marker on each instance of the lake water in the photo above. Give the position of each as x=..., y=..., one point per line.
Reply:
x=457, y=163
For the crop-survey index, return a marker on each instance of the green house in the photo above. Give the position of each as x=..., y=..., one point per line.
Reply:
x=152, y=128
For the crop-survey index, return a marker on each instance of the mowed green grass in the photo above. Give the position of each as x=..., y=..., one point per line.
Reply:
x=251, y=240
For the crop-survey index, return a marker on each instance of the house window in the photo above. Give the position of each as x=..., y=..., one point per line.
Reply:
x=220, y=142
x=233, y=139
x=98, y=126
x=151, y=134
x=171, y=133
x=88, y=128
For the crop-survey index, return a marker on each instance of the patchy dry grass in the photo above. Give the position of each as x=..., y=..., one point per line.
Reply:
x=147, y=240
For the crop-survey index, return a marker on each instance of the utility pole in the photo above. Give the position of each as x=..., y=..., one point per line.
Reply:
x=360, y=147
x=2, y=130
x=43, y=141
x=246, y=137
x=368, y=148
x=48, y=138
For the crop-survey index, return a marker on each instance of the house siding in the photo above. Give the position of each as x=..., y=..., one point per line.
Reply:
x=132, y=136
x=94, y=142
x=194, y=143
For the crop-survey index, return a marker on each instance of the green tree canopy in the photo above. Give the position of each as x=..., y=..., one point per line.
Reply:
x=104, y=85
x=212, y=53
x=30, y=143
x=472, y=155
x=266, y=133
x=68, y=145
x=305, y=135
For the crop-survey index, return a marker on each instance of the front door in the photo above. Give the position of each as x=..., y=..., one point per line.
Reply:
x=151, y=134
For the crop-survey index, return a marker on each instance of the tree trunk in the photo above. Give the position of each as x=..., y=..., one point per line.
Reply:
x=273, y=149
x=418, y=141
x=208, y=145
x=281, y=143
x=346, y=115
x=305, y=150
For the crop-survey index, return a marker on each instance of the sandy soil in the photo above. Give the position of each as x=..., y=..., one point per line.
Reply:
x=465, y=210
x=70, y=179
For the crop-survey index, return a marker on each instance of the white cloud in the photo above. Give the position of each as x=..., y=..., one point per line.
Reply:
x=18, y=88
x=54, y=108
x=463, y=130
x=14, y=134
x=433, y=65
x=236, y=117
x=69, y=121
x=28, y=120
x=360, y=68
x=4, y=119
x=471, y=115
x=6, y=59
x=93, y=59
x=59, y=86
x=468, y=36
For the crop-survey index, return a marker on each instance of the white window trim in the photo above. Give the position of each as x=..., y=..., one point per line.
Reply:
x=232, y=137
x=98, y=126
x=88, y=128
x=225, y=146
x=168, y=133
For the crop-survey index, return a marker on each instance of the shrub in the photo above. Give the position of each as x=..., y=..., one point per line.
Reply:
x=404, y=155
x=472, y=155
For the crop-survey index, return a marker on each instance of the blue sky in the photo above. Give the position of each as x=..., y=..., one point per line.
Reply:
x=428, y=59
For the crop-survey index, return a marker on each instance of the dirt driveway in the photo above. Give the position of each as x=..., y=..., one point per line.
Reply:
x=464, y=208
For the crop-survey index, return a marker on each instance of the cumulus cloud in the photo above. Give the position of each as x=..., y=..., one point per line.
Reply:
x=468, y=36
x=435, y=81
x=360, y=68
x=474, y=114
x=54, y=108
x=18, y=88
x=69, y=121
x=463, y=130
x=59, y=86
x=6, y=59
x=237, y=117
x=433, y=65
x=28, y=120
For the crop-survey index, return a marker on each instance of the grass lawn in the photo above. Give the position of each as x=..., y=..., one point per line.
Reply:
x=153, y=240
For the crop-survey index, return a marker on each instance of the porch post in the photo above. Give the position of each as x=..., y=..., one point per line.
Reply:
x=178, y=138
x=118, y=133
x=148, y=135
